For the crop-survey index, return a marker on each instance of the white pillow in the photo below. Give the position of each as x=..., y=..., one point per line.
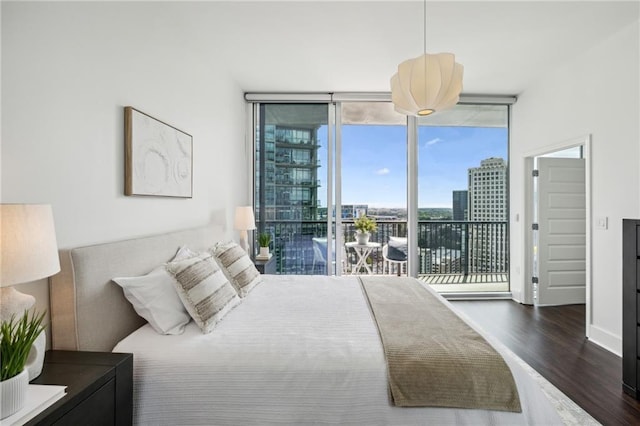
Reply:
x=154, y=298
x=237, y=266
x=203, y=289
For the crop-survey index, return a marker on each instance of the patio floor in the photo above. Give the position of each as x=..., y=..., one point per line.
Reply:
x=456, y=283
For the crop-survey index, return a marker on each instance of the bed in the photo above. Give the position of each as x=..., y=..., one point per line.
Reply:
x=297, y=350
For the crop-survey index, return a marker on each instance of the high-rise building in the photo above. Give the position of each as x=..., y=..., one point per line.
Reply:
x=488, y=191
x=291, y=173
x=352, y=211
x=487, y=200
x=460, y=205
x=349, y=211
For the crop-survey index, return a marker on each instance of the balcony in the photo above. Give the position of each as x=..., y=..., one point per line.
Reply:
x=453, y=256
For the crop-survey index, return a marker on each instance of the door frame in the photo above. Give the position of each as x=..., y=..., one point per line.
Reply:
x=585, y=142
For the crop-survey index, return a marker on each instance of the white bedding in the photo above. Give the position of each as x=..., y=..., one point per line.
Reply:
x=297, y=350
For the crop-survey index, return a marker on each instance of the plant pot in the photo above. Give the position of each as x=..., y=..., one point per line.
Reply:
x=264, y=252
x=13, y=393
x=362, y=238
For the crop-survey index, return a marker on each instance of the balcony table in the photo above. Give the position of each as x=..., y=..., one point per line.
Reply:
x=362, y=251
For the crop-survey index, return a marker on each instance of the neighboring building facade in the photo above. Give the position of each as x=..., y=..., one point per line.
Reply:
x=291, y=174
x=445, y=261
x=286, y=188
x=349, y=211
x=354, y=211
x=460, y=205
x=487, y=200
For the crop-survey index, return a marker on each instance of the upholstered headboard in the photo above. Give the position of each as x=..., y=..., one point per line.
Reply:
x=88, y=311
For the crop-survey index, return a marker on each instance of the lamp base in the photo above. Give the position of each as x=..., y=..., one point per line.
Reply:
x=35, y=360
x=13, y=304
x=244, y=240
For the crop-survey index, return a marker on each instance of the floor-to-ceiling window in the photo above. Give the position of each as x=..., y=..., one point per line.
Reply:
x=463, y=236
x=372, y=154
x=315, y=173
x=291, y=158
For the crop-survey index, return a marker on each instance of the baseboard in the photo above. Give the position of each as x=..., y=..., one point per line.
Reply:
x=516, y=295
x=605, y=339
x=629, y=390
x=488, y=295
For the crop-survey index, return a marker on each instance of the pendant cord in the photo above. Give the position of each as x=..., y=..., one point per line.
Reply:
x=425, y=28
x=424, y=83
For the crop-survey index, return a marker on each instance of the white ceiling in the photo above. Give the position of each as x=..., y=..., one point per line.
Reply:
x=355, y=46
x=331, y=46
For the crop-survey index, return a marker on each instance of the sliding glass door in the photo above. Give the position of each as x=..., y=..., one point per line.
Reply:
x=437, y=187
x=372, y=154
x=463, y=238
x=291, y=183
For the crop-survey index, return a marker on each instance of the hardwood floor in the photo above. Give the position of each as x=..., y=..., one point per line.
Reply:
x=551, y=340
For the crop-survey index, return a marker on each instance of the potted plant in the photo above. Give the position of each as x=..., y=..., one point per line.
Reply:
x=16, y=338
x=364, y=227
x=264, y=240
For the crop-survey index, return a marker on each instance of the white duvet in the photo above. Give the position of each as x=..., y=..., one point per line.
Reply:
x=297, y=350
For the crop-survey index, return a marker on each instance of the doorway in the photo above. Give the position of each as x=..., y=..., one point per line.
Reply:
x=557, y=229
x=559, y=191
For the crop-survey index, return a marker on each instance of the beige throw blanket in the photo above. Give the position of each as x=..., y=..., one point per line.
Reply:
x=434, y=358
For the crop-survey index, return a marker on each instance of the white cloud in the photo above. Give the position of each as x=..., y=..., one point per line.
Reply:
x=434, y=141
x=383, y=171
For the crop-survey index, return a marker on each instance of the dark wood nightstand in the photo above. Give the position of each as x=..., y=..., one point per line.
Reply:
x=266, y=266
x=99, y=388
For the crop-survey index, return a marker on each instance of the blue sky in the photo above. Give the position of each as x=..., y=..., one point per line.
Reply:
x=374, y=162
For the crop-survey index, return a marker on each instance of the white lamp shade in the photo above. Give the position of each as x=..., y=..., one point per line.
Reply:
x=427, y=84
x=29, y=250
x=244, y=219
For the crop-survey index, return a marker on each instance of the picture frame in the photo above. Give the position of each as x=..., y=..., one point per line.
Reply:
x=158, y=157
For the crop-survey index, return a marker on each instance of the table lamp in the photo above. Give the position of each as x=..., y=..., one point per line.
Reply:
x=28, y=252
x=244, y=222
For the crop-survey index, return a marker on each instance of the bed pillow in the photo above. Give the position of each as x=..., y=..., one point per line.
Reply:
x=237, y=266
x=204, y=289
x=184, y=252
x=154, y=298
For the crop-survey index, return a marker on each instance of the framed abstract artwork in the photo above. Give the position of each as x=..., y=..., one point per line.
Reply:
x=158, y=157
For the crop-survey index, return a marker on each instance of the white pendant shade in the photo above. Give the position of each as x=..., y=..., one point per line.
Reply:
x=427, y=84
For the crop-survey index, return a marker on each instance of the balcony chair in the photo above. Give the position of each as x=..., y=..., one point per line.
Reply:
x=320, y=254
x=394, y=255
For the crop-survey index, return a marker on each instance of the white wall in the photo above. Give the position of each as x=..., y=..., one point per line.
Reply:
x=596, y=93
x=68, y=69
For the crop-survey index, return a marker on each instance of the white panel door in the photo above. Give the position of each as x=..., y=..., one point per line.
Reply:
x=561, y=231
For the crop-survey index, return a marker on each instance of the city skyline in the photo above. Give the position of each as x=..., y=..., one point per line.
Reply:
x=374, y=157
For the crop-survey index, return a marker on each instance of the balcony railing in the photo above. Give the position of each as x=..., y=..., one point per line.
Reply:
x=444, y=247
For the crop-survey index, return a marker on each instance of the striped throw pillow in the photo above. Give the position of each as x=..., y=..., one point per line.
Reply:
x=238, y=266
x=204, y=289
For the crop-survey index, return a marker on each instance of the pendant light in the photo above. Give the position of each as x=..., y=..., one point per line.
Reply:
x=428, y=83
